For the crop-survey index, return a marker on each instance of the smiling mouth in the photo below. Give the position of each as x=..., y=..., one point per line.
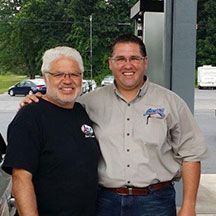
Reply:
x=67, y=89
x=128, y=73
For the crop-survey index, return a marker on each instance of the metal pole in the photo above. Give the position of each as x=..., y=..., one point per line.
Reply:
x=90, y=19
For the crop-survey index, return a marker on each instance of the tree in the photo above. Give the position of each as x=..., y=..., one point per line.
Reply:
x=206, y=34
x=36, y=25
x=8, y=58
x=108, y=21
x=111, y=18
x=40, y=25
x=81, y=10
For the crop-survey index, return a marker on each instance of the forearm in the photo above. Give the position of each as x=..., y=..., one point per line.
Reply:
x=23, y=191
x=191, y=179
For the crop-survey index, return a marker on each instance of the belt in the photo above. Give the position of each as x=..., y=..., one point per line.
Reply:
x=139, y=191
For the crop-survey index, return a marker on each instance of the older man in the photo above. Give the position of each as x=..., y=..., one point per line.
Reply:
x=52, y=151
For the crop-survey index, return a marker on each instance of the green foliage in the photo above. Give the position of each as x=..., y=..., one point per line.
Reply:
x=9, y=60
x=29, y=27
x=40, y=25
x=206, y=34
x=110, y=19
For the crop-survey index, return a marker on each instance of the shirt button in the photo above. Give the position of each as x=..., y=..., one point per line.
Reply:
x=128, y=165
x=128, y=150
x=128, y=104
x=128, y=134
x=128, y=182
x=128, y=119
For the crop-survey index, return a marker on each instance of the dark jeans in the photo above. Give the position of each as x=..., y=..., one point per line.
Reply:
x=157, y=203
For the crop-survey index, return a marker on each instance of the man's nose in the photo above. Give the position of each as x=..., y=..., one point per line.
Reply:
x=67, y=79
x=128, y=63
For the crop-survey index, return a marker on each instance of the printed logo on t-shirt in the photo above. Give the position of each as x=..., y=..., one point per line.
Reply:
x=87, y=130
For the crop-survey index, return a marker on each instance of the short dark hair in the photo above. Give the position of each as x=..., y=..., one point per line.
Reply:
x=129, y=38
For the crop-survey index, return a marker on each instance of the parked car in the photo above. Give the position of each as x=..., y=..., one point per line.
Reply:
x=85, y=86
x=107, y=80
x=92, y=85
x=30, y=86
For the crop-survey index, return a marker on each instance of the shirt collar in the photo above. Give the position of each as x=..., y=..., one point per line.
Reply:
x=144, y=87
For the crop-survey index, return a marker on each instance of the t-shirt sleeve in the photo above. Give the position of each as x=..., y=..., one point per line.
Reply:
x=23, y=148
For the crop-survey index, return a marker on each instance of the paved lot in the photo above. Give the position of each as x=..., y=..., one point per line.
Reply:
x=205, y=114
x=8, y=108
x=206, y=200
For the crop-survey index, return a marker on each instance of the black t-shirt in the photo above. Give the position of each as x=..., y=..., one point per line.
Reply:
x=58, y=147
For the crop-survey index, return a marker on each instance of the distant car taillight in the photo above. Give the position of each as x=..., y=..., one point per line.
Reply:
x=39, y=86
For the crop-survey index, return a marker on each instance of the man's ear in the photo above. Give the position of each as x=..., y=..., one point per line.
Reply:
x=145, y=61
x=109, y=62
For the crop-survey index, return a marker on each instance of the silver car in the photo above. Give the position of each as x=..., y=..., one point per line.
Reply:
x=107, y=80
x=92, y=85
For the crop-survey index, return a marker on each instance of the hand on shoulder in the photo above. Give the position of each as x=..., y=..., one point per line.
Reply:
x=30, y=98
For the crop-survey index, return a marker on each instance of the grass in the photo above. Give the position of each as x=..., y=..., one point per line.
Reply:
x=8, y=80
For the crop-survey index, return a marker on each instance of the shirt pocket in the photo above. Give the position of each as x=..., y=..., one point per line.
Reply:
x=151, y=130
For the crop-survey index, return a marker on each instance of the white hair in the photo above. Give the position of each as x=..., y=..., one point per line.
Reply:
x=54, y=53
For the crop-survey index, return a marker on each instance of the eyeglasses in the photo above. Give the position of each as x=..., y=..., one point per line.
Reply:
x=61, y=75
x=121, y=60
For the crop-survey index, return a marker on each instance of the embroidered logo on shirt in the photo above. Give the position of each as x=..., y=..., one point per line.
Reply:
x=87, y=130
x=156, y=112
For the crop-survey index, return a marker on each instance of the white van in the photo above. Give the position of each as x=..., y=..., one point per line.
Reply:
x=206, y=76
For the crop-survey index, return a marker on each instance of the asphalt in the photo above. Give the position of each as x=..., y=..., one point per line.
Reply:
x=206, y=199
x=205, y=113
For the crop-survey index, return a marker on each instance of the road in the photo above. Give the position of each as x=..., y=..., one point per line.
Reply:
x=205, y=114
x=8, y=108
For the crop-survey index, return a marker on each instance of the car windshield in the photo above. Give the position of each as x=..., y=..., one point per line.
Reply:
x=38, y=81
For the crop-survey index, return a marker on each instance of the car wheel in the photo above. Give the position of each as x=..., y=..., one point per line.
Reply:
x=30, y=92
x=11, y=93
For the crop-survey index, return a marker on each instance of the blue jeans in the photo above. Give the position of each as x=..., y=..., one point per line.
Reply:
x=156, y=203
